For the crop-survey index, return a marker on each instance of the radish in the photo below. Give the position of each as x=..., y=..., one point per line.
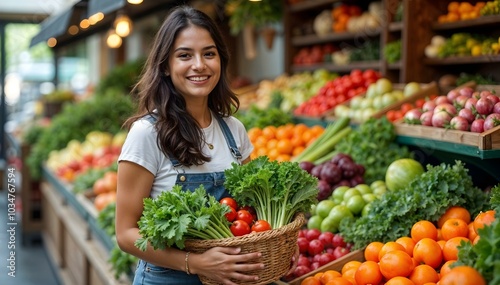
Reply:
x=484, y=106
x=441, y=119
x=467, y=91
x=452, y=95
x=441, y=100
x=445, y=107
x=412, y=117
x=477, y=126
x=426, y=118
x=428, y=106
x=459, y=123
x=491, y=121
x=467, y=114
x=496, y=108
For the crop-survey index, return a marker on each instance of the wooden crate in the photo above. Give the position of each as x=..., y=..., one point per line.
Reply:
x=485, y=141
x=334, y=265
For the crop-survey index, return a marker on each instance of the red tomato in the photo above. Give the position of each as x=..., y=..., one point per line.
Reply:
x=419, y=103
x=239, y=228
x=251, y=210
x=230, y=202
x=260, y=226
x=231, y=216
x=370, y=74
x=244, y=215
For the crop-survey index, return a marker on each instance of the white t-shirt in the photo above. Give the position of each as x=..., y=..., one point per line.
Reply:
x=140, y=147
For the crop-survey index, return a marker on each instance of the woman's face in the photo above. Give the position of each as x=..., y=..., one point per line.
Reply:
x=195, y=63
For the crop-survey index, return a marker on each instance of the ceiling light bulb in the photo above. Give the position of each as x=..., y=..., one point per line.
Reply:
x=134, y=1
x=123, y=25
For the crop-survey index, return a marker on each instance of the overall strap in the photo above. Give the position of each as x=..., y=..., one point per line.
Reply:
x=229, y=137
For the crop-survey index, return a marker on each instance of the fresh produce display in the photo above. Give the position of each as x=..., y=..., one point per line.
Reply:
x=379, y=95
x=459, y=11
x=367, y=51
x=462, y=44
x=76, y=121
x=323, y=147
x=377, y=153
x=284, y=142
x=460, y=109
x=341, y=170
x=480, y=79
x=314, y=54
x=483, y=254
x=316, y=249
x=344, y=202
x=337, y=91
x=491, y=8
x=341, y=15
x=427, y=197
x=276, y=190
x=392, y=51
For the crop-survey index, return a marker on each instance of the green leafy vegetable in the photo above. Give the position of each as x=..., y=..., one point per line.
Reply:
x=277, y=190
x=426, y=198
x=176, y=215
x=121, y=262
x=392, y=51
x=260, y=118
x=484, y=256
x=375, y=153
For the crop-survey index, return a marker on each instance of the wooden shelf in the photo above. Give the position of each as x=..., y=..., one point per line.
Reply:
x=338, y=68
x=478, y=22
x=333, y=37
x=395, y=65
x=310, y=4
x=455, y=60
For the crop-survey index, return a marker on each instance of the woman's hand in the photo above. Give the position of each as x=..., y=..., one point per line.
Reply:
x=225, y=263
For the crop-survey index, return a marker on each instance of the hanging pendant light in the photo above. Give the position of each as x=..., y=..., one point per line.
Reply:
x=113, y=40
x=135, y=2
x=123, y=25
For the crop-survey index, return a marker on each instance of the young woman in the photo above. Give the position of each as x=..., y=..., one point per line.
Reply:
x=183, y=133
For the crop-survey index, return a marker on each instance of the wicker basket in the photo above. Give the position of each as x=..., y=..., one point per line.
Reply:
x=277, y=247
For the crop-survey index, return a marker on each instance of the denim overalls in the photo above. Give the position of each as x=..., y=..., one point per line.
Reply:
x=149, y=274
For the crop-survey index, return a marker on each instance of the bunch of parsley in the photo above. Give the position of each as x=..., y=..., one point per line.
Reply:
x=276, y=190
x=484, y=256
x=425, y=198
x=176, y=215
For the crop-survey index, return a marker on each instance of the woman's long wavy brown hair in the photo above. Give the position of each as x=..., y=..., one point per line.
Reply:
x=179, y=135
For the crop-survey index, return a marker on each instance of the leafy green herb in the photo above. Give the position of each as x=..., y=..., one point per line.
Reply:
x=392, y=51
x=277, y=190
x=484, y=256
x=121, y=261
x=425, y=198
x=106, y=219
x=176, y=215
x=375, y=153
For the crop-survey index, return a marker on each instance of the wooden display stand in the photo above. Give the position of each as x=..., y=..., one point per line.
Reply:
x=78, y=254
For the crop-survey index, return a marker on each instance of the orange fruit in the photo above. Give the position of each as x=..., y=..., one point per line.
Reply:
x=446, y=267
x=423, y=274
x=450, y=250
x=454, y=228
x=388, y=247
x=441, y=243
x=339, y=281
x=350, y=264
x=463, y=275
x=283, y=157
x=310, y=280
x=368, y=273
x=329, y=275
x=297, y=150
x=372, y=251
x=428, y=251
x=318, y=275
x=399, y=280
x=472, y=231
x=456, y=212
x=349, y=273
x=284, y=146
x=284, y=132
x=269, y=132
x=408, y=243
x=271, y=144
x=423, y=229
x=396, y=263
x=453, y=6
x=484, y=218
x=476, y=239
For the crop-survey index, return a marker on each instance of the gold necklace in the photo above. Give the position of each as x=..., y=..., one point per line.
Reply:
x=210, y=146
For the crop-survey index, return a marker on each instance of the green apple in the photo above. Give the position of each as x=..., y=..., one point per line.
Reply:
x=377, y=183
x=366, y=209
x=379, y=191
x=324, y=207
x=338, y=193
x=338, y=213
x=355, y=204
x=369, y=197
x=384, y=85
x=351, y=192
x=363, y=188
x=314, y=222
x=329, y=225
x=411, y=88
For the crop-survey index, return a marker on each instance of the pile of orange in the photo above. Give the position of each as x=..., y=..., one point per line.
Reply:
x=283, y=142
x=341, y=15
x=459, y=11
x=423, y=258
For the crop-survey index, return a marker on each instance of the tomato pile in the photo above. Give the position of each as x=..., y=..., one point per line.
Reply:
x=243, y=219
x=338, y=91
